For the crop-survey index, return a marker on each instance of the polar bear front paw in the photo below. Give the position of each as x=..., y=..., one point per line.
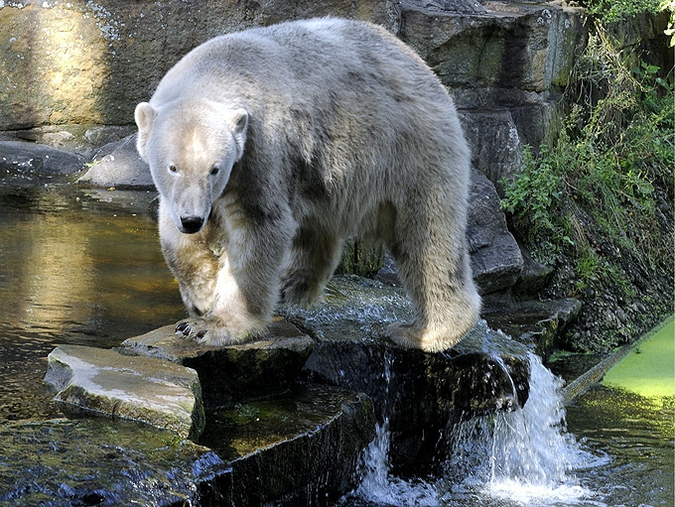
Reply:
x=210, y=332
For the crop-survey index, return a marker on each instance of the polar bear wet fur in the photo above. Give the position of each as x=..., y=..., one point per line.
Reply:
x=271, y=146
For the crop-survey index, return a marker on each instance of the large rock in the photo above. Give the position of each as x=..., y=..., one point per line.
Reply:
x=92, y=62
x=297, y=449
x=300, y=448
x=536, y=323
x=420, y=394
x=506, y=68
x=29, y=159
x=118, y=164
x=153, y=391
x=496, y=259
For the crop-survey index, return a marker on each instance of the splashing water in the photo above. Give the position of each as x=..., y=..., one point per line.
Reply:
x=518, y=458
x=380, y=487
x=524, y=456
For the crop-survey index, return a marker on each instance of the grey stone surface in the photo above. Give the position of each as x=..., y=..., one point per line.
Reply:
x=496, y=149
x=419, y=393
x=18, y=157
x=118, y=164
x=117, y=51
x=495, y=256
x=153, y=391
x=299, y=448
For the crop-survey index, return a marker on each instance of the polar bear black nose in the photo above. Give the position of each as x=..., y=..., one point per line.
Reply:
x=191, y=224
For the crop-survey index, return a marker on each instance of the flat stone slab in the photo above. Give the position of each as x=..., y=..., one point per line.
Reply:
x=154, y=391
x=299, y=448
x=233, y=373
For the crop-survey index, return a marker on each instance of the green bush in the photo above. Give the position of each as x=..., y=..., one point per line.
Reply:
x=611, y=10
x=590, y=197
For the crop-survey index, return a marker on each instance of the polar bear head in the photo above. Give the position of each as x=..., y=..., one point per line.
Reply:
x=191, y=147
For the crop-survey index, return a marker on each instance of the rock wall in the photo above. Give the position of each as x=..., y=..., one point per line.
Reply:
x=89, y=62
x=71, y=68
x=74, y=71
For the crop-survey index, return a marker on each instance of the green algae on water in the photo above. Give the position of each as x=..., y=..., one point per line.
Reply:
x=648, y=370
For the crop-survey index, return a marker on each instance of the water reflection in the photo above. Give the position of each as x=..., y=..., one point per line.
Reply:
x=75, y=267
x=635, y=434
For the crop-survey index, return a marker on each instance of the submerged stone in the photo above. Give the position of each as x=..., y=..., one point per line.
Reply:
x=97, y=461
x=149, y=390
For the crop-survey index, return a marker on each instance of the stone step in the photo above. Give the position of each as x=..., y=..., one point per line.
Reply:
x=234, y=373
x=260, y=419
x=535, y=323
x=154, y=391
x=300, y=448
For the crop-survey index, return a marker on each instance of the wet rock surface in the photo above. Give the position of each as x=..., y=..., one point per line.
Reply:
x=20, y=158
x=536, y=323
x=149, y=390
x=101, y=462
x=300, y=448
x=419, y=393
x=288, y=416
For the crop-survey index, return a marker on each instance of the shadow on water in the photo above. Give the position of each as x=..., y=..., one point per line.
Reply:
x=76, y=267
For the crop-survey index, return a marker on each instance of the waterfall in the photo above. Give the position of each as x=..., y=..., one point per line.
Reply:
x=378, y=485
x=524, y=457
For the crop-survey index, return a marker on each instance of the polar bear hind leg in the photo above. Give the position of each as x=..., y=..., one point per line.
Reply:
x=314, y=255
x=429, y=247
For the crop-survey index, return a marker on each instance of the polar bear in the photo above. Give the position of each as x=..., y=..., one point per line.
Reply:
x=271, y=146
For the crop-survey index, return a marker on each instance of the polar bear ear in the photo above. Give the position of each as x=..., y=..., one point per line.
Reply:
x=145, y=117
x=239, y=127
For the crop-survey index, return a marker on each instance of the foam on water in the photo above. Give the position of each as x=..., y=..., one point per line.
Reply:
x=380, y=487
x=524, y=457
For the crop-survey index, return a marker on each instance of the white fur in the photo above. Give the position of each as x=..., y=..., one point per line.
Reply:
x=320, y=130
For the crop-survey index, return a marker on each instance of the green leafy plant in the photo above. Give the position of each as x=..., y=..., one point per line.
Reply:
x=590, y=197
x=611, y=10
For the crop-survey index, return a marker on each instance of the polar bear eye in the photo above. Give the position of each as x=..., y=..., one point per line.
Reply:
x=172, y=169
x=215, y=170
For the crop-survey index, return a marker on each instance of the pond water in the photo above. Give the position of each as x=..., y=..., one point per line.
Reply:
x=84, y=267
x=76, y=267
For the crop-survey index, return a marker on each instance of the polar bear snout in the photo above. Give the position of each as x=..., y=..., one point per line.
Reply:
x=191, y=224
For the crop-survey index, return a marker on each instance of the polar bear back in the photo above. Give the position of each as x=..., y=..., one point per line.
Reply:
x=344, y=103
